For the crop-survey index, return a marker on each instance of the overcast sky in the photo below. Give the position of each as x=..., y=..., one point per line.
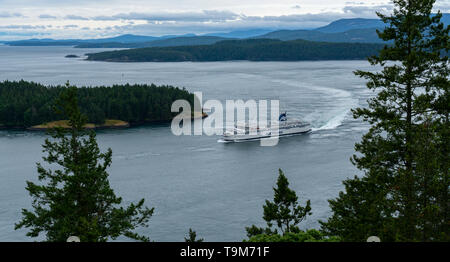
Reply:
x=22, y=19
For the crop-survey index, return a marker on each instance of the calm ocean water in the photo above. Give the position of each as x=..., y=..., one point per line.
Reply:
x=195, y=181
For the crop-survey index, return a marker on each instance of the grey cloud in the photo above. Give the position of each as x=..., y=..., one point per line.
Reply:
x=75, y=17
x=443, y=7
x=22, y=33
x=205, y=15
x=302, y=18
x=8, y=15
x=70, y=26
x=366, y=11
x=103, y=18
x=242, y=22
x=45, y=16
x=354, y=3
x=236, y=22
x=227, y=17
x=23, y=27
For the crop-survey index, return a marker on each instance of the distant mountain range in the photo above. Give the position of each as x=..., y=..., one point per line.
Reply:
x=242, y=34
x=356, y=30
x=343, y=25
x=122, y=39
x=368, y=35
x=175, y=41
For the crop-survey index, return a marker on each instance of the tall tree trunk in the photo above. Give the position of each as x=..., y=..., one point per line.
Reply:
x=409, y=205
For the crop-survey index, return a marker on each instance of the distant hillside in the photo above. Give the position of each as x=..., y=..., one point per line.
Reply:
x=357, y=30
x=351, y=36
x=242, y=34
x=186, y=41
x=176, y=41
x=252, y=50
x=343, y=25
x=122, y=39
x=43, y=42
x=112, y=45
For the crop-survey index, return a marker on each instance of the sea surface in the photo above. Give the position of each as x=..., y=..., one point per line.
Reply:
x=199, y=182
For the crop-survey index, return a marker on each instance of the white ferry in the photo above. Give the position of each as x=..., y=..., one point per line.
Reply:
x=247, y=132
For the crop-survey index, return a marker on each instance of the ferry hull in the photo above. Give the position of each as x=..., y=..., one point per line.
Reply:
x=243, y=138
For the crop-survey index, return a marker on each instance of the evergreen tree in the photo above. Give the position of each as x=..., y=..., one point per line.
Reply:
x=310, y=235
x=193, y=237
x=284, y=211
x=403, y=195
x=77, y=200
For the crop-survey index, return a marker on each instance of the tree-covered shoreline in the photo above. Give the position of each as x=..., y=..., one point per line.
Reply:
x=25, y=104
x=249, y=49
x=403, y=194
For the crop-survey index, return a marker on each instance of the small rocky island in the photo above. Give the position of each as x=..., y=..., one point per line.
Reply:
x=71, y=56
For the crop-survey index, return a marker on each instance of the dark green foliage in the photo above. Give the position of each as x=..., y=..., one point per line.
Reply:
x=284, y=211
x=76, y=199
x=193, y=237
x=286, y=214
x=403, y=195
x=311, y=235
x=24, y=104
x=250, y=49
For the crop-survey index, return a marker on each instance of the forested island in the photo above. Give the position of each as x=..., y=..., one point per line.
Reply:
x=31, y=105
x=249, y=49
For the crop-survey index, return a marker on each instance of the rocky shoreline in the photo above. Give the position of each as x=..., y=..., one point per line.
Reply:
x=109, y=124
